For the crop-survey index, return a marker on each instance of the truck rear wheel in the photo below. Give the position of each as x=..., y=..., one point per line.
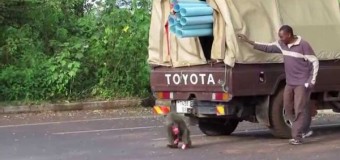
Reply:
x=216, y=127
x=280, y=126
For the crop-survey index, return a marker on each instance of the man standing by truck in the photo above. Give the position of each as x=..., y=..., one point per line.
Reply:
x=301, y=68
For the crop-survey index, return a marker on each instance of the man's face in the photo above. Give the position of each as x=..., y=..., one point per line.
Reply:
x=285, y=37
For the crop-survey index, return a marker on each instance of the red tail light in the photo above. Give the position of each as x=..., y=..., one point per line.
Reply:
x=221, y=96
x=164, y=95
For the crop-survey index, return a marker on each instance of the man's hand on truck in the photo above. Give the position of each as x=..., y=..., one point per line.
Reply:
x=245, y=38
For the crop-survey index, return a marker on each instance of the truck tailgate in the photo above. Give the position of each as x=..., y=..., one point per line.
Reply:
x=204, y=78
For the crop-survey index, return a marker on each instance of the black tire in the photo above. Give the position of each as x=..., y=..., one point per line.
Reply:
x=279, y=127
x=217, y=127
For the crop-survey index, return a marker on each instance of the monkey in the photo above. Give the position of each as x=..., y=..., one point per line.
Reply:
x=177, y=131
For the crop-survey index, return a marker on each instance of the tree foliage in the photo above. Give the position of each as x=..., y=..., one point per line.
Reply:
x=61, y=49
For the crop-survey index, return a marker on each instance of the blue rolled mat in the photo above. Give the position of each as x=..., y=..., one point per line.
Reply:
x=179, y=6
x=194, y=33
x=196, y=11
x=199, y=26
x=196, y=20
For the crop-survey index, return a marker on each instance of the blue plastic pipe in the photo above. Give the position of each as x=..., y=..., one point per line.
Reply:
x=196, y=20
x=196, y=11
x=179, y=6
x=172, y=20
x=173, y=29
x=199, y=26
x=178, y=16
x=194, y=33
x=187, y=1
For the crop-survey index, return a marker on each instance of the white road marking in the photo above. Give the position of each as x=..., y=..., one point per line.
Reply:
x=75, y=121
x=105, y=130
x=157, y=139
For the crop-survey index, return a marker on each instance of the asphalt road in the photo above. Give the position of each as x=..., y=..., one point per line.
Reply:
x=137, y=134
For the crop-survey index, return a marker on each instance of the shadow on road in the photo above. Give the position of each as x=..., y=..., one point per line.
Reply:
x=322, y=134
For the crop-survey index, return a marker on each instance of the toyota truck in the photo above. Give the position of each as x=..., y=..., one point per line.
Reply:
x=218, y=81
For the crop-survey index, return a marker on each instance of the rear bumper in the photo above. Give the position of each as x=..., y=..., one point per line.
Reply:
x=199, y=108
x=208, y=108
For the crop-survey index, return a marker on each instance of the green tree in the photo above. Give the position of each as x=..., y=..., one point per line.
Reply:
x=55, y=50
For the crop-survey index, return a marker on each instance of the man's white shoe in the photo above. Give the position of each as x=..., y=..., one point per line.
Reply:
x=308, y=134
x=295, y=142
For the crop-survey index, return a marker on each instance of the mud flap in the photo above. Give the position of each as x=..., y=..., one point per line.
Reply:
x=262, y=112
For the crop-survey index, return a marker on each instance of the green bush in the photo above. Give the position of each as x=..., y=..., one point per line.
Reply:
x=60, y=51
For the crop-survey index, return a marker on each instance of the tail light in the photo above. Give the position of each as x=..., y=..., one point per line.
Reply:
x=221, y=96
x=164, y=95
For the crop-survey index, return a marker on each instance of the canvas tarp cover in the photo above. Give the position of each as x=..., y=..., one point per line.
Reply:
x=317, y=21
